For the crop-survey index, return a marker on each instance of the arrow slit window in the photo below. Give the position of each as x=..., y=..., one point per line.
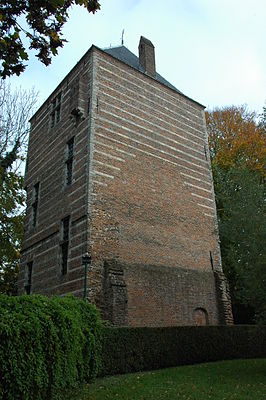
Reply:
x=64, y=245
x=69, y=162
x=35, y=203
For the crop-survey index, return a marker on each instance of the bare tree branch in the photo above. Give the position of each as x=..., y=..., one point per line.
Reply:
x=16, y=108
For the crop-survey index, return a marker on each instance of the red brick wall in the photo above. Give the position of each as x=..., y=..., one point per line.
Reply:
x=152, y=199
x=152, y=176
x=46, y=164
x=160, y=296
x=142, y=198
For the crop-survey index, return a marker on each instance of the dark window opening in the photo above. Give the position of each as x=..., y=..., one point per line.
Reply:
x=211, y=260
x=64, y=245
x=69, y=161
x=55, y=114
x=69, y=167
x=52, y=120
x=28, y=278
x=35, y=202
x=205, y=151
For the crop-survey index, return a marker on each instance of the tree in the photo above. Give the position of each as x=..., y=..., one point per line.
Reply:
x=44, y=20
x=236, y=139
x=237, y=147
x=12, y=200
x=262, y=122
x=15, y=111
x=240, y=200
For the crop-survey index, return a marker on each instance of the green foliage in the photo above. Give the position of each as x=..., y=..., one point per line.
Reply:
x=45, y=20
x=237, y=147
x=16, y=108
x=46, y=344
x=240, y=195
x=138, y=349
x=11, y=229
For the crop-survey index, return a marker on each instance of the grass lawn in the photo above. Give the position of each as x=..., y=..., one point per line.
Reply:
x=237, y=379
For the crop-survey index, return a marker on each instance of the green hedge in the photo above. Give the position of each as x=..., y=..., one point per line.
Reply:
x=46, y=344
x=138, y=349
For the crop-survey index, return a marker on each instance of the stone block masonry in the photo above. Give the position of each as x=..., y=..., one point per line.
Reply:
x=140, y=201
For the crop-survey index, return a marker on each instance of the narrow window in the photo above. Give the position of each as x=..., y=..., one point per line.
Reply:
x=28, y=278
x=69, y=161
x=211, y=260
x=36, y=190
x=52, y=115
x=205, y=152
x=64, y=245
x=58, y=108
x=55, y=113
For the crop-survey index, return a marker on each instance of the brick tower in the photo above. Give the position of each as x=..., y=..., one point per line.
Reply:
x=118, y=166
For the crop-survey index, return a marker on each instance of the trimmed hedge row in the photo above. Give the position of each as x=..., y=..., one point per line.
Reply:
x=49, y=344
x=138, y=349
x=46, y=344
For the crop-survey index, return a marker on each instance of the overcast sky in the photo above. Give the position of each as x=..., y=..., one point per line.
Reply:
x=214, y=51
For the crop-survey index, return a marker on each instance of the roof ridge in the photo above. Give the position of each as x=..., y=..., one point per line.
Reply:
x=113, y=47
x=122, y=53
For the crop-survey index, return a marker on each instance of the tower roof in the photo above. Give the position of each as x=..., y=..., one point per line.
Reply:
x=123, y=54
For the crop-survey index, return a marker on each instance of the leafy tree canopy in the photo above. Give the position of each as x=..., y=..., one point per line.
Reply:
x=236, y=139
x=15, y=110
x=262, y=122
x=12, y=202
x=237, y=147
x=44, y=22
x=240, y=198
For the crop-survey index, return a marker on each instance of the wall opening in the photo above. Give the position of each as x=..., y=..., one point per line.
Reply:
x=200, y=317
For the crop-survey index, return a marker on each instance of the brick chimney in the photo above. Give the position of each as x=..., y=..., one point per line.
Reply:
x=147, y=56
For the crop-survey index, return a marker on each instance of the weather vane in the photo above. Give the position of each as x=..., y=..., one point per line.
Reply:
x=122, y=38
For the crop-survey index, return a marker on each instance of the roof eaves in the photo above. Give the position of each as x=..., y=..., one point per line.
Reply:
x=171, y=87
x=63, y=80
